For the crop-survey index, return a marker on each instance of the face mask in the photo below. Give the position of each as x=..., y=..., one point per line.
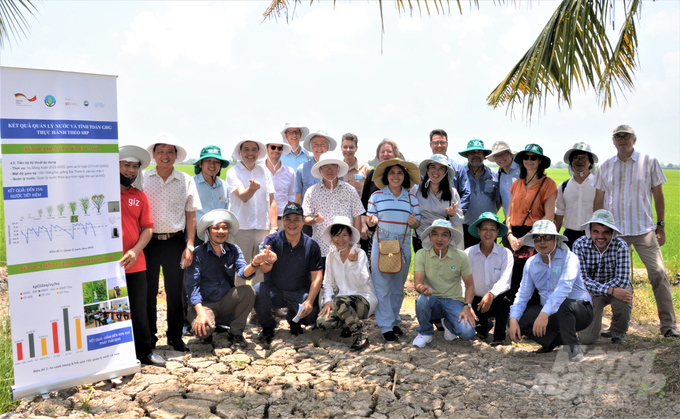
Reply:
x=126, y=181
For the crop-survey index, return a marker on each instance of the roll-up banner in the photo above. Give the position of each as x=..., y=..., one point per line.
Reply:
x=69, y=307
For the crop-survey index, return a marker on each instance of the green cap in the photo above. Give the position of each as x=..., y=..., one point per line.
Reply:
x=475, y=145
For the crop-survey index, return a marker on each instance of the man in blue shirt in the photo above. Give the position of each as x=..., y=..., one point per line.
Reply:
x=291, y=258
x=565, y=306
x=439, y=143
x=292, y=134
x=483, y=181
x=210, y=279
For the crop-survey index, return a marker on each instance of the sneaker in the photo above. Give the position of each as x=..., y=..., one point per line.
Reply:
x=606, y=333
x=390, y=336
x=266, y=337
x=237, y=340
x=448, y=335
x=617, y=340
x=154, y=359
x=671, y=333
x=575, y=354
x=421, y=340
x=359, y=344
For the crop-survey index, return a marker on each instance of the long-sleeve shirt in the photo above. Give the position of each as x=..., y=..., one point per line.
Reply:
x=205, y=281
x=600, y=271
x=555, y=282
x=460, y=182
x=350, y=278
x=491, y=273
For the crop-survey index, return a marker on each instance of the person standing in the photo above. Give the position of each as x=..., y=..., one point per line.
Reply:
x=356, y=175
x=575, y=196
x=292, y=133
x=283, y=176
x=174, y=201
x=137, y=223
x=625, y=186
x=508, y=173
x=439, y=144
x=211, y=189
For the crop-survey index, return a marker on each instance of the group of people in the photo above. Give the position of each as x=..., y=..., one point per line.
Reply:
x=320, y=239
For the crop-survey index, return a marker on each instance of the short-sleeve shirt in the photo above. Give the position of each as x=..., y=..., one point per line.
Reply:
x=293, y=264
x=484, y=194
x=254, y=214
x=461, y=183
x=171, y=199
x=505, y=181
x=356, y=176
x=304, y=178
x=575, y=203
x=342, y=200
x=284, y=186
x=443, y=275
x=136, y=215
x=627, y=188
x=212, y=197
x=393, y=211
x=522, y=198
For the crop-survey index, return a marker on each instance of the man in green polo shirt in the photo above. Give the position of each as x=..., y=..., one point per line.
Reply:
x=438, y=269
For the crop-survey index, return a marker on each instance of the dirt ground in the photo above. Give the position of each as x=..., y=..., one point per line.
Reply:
x=315, y=375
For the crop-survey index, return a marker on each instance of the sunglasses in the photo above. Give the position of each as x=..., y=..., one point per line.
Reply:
x=545, y=238
x=276, y=147
x=532, y=157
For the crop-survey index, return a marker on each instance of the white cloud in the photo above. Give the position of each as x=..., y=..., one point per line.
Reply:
x=410, y=23
x=671, y=65
x=446, y=48
x=518, y=38
x=454, y=64
x=476, y=23
x=662, y=23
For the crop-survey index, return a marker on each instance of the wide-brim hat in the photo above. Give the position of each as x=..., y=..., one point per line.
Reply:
x=134, y=152
x=411, y=168
x=307, y=144
x=167, y=138
x=456, y=235
x=340, y=219
x=215, y=216
x=274, y=139
x=329, y=158
x=544, y=227
x=603, y=217
x=533, y=148
x=487, y=216
x=475, y=145
x=437, y=158
x=214, y=152
x=580, y=147
x=304, y=131
x=262, y=153
x=497, y=148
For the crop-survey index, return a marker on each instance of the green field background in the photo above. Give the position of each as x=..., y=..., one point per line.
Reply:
x=671, y=250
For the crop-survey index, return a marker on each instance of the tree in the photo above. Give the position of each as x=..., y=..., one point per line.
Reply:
x=572, y=51
x=12, y=20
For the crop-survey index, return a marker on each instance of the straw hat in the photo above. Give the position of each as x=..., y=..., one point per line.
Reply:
x=384, y=166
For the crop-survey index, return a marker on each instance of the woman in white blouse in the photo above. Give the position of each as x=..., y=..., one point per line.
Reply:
x=348, y=295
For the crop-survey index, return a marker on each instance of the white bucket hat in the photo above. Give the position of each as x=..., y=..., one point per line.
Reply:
x=329, y=158
x=340, y=219
x=497, y=148
x=273, y=138
x=307, y=144
x=580, y=147
x=217, y=216
x=603, y=217
x=304, y=131
x=262, y=153
x=456, y=235
x=547, y=228
x=441, y=159
x=132, y=153
x=167, y=138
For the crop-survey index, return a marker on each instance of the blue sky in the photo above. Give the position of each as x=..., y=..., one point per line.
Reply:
x=213, y=72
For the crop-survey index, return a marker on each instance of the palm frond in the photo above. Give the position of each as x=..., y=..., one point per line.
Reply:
x=12, y=20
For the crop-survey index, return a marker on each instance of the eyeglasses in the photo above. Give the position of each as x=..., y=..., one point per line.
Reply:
x=583, y=157
x=623, y=136
x=439, y=142
x=297, y=131
x=273, y=147
x=532, y=157
x=544, y=238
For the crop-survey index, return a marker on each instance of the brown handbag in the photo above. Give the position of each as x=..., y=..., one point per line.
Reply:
x=391, y=256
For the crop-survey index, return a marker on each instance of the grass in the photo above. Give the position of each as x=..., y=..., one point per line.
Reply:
x=6, y=361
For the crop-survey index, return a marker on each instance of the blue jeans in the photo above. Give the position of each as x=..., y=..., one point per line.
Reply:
x=437, y=308
x=270, y=297
x=389, y=288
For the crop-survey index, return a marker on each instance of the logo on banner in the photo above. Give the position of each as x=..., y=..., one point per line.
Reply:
x=68, y=102
x=98, y=105
x=21, y=98
x=86, y=103
x=50, y=101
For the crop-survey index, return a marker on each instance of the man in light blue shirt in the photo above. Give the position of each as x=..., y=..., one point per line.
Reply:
x=565, y=306
x=508, y=171
x=211, y=189
x=439, y=144
x=292, y=133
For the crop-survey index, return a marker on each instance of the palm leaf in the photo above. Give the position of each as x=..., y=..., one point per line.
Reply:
x=12, y=20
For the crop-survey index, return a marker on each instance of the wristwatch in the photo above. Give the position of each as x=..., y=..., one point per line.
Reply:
x=268, y=263
x=469, y=305
x=661, y=223
x=190, y=247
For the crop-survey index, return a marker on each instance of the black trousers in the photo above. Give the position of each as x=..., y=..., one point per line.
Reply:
x=468, y=238
x=166, y=254
x=572, y=236
x=572, y=316
x=500, y=310
x=137, y=295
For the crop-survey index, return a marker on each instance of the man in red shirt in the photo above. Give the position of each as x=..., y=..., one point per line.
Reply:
x=137, y=228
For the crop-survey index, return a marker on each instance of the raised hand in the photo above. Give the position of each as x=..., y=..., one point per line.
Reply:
x=354, y=255
x=412, y=220
x=254, y=185
x=318, y=218
x=372, y=220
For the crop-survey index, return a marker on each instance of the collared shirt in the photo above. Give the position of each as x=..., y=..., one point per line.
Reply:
x=461, y=183
x=293, y=264
x=484, y=194
x=349, y=277
x=136, y=215
x=342, y=200
x=304, y=178
x=212, y=197
x=284, y=186
x=434, y=208
x=443, y=275
x=505, y=181
x=393, y=211
x=293, y=161
x=603, y=270
x=555, y=282
x=627, y=190
x=356, y=176
x=205, y=281
x=254, y=214
x=576, y=202
x=491, y=273
x=171, y=199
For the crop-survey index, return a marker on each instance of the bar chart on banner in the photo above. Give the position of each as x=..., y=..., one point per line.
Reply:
x=51, y=338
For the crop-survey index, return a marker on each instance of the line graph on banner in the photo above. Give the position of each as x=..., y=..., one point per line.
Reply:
x=28, y=232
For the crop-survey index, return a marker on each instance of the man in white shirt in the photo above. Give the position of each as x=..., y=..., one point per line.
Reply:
x=283, y=176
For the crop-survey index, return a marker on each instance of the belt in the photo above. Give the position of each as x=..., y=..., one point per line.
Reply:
x=166, y=236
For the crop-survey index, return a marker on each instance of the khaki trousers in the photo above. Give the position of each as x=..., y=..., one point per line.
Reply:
x=620, y=318
x=249, y=241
